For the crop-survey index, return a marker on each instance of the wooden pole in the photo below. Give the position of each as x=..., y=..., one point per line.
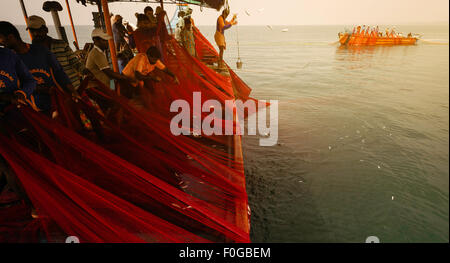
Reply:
x=73, y=27
x=59, y=29
x=100, y=13
x=25, y=16
x=112, y=47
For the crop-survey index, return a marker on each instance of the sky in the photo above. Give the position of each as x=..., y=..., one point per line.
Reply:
x=264, y=12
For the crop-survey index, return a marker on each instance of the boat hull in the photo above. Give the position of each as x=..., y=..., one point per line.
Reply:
x=371, y=40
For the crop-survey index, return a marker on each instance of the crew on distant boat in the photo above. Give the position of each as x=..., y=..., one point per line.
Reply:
x=370, y=35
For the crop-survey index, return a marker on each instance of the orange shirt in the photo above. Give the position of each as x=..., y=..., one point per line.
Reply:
x=141, y=64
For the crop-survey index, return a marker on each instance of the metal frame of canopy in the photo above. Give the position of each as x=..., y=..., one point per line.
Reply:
x=214, y=4
x=103, y=9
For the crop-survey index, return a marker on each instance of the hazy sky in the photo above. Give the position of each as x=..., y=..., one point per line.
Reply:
x=266, y=12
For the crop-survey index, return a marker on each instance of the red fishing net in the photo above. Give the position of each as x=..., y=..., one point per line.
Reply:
x=108, y=168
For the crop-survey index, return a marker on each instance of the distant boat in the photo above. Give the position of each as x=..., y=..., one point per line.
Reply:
x=285, y=30
x=372, y=39
x=270, y=27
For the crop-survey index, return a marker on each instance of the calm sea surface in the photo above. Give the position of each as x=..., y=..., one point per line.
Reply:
x=363, y=135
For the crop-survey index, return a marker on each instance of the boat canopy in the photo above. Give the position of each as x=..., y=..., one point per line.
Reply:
x=215, y=4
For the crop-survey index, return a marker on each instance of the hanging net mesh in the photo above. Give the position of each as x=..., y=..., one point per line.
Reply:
x=108, y=168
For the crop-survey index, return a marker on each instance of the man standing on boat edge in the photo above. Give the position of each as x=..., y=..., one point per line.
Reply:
x=221, y=26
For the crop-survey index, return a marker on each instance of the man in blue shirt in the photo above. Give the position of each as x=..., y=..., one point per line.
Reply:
x=16, y=85
x=42, y=64
x=16, y=81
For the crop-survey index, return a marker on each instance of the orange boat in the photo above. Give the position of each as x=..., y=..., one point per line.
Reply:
x=371, y=39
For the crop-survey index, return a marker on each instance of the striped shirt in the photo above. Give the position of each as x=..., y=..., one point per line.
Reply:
x=69, y=62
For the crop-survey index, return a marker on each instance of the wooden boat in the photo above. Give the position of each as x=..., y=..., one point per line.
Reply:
x=234, y=212
x=354, y=39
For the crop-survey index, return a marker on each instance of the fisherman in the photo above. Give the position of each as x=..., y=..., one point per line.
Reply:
x=97, y=62
x=119, y=31
x=72, y=66
x=148, y=11
x=393, y=33
x=187, y=36
x=124, y=53
x=221, y=26
x=16, y=86
x=180, y=25
x=189, y=14
x=140, y=70
x=158, y=12
x=140, y=67
x=358, y=30
x=16, y=81
x=145, y=35
x=42, y=64
x=161, y=33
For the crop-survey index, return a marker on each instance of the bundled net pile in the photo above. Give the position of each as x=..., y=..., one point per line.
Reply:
x=115, y=172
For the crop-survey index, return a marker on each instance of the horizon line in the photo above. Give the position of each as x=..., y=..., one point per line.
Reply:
x=400, y=24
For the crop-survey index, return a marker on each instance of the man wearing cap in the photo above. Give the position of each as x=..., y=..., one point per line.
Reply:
x=42, y=64
x=119, y=31
x=97, y=62
x=72, y=66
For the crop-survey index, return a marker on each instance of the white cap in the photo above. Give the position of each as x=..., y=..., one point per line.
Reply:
x=35, y=22
x=98, y=32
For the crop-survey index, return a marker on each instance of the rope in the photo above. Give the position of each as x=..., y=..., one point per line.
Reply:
x=237, y=37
